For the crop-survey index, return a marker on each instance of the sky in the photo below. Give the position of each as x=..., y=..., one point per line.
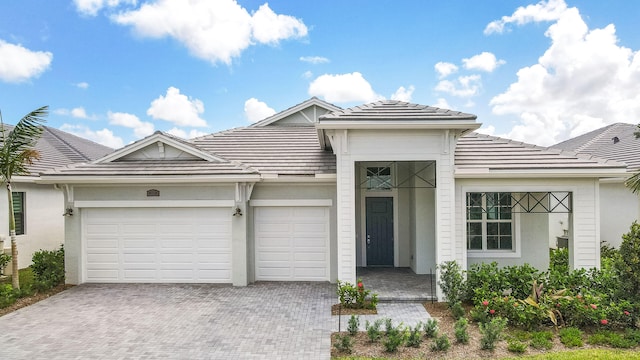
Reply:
x=115, y=71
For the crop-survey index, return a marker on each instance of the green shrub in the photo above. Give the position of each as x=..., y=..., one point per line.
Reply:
x=627, y=263
x=441, y=343
x=519, y=279
x=356, y=296
x=414, y=338
x=4, y=260
x=354, y=324
x=516, y=346
x=571, y=337
x=431, y=328
x=460, y=331
x=541, y=340
x=373, y=330
x=395, y=336
x=48, y=268
x=491, y=332
x=452, y=282
x=613, y=339
x=344, y=343
x=485, y=281
x=8, y=296
x=457, y=311
x=559, y=260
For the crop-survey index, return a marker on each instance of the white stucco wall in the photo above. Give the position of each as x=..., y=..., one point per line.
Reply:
x=619, y=208
x=44, y=223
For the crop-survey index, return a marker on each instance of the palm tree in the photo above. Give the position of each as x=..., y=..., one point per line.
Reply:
x=633, y=182
x=16, y=153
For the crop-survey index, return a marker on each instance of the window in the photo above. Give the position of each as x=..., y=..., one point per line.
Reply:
x=18, y=211
x=489, y=221
x=379, y=178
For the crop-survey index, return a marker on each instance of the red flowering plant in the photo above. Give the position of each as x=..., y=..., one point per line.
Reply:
x=356, y=296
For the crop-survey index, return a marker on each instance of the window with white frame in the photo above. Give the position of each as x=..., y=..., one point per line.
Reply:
x=489, y=221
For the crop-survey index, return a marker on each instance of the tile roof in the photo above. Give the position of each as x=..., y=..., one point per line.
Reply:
x=616, y=142
x=272, y=149
x=58, y=148
x=479, y=151
x=396, y=110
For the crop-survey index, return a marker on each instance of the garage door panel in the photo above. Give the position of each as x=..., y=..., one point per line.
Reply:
x=157, y=245
x=292, y=243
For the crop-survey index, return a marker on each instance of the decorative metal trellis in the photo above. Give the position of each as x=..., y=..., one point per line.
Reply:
x=527, y=202
x=418, y=174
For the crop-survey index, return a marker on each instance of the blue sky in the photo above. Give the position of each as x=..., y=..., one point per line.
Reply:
x=114, y=71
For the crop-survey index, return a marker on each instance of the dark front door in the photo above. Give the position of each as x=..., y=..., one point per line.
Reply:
x=379, y=236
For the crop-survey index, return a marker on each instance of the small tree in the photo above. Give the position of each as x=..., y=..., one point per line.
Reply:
x=627, y=263
x=17, y=152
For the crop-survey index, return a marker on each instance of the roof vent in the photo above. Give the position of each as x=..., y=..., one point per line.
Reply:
x=615, y=140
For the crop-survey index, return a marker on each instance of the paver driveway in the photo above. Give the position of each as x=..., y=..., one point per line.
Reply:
x=145, y=321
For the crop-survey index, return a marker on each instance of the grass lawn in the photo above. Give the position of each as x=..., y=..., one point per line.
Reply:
x=601, y=354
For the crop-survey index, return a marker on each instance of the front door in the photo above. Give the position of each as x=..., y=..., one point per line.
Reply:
x=379, y=236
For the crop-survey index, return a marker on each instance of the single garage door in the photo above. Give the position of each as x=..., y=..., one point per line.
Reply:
x=292, y=243
x=157, y=245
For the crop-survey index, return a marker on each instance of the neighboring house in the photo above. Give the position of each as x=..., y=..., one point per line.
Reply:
x=619, y=207
x=315, y=191
x=38, y=207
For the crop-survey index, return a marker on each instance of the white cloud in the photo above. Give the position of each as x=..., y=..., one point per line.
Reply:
x=140, y=128
x=487, y=130
x=403, y=94
x=269, y=27
x=583, y=81
x=485, y=61
x=445, y=69
x=92, y=7
x=183, y=134
x=82, y=85
x=256, y=110
x=550, y=10
x=307, y=75
x=216, y=31
x=18, y=64
x=343, y=88
x=178, y=109
x=314, y=59
x=79, y=112
x=104, y=136
x=442, y=104
x=464, y=86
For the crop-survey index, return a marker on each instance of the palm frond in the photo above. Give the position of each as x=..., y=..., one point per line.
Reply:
x=633, y=183
x=17, y=150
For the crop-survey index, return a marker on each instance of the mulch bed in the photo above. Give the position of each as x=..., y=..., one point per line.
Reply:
x=335, y=310
x=29, y=300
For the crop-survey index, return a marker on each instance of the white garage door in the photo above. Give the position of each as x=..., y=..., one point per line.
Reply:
x=157, y=245
x=292, y=243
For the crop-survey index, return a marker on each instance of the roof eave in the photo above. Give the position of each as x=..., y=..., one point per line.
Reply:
x=399, y=125
x=538, y=173
x=146, y=179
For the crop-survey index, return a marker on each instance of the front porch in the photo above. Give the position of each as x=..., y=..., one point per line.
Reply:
x=398, y=284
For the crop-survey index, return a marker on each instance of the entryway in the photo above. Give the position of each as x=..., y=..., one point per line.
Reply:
x=398, y=284
x=379, y=231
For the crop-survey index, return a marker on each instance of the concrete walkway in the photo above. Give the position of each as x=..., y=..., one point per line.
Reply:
x=263, y=321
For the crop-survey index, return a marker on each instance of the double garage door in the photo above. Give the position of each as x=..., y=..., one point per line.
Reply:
x=175, y=245
x=157, y=245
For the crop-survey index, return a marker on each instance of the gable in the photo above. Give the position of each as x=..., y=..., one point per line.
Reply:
x=160, y=146
x=157, y=151
x=303, y=114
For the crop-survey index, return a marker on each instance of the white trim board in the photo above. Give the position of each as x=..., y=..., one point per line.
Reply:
x=292, y=202
x=153, y=203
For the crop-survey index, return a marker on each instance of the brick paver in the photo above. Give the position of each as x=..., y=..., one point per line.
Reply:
x=162, y=321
